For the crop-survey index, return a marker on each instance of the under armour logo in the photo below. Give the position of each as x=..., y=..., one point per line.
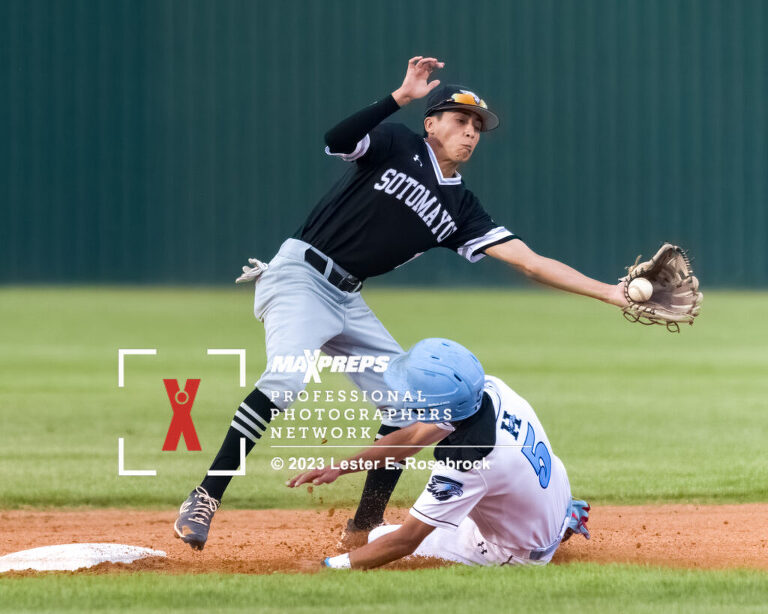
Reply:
x=482, y=550
x=416, y=159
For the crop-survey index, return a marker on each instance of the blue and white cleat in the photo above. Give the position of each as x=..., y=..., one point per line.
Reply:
x=195, y=516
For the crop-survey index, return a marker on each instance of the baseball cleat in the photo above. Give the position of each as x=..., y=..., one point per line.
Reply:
x=195, y=516
x=577, y=521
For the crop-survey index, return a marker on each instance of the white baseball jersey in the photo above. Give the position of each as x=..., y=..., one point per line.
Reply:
x=515, y=510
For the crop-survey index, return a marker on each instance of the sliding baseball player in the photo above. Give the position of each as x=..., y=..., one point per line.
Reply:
x=497, y=494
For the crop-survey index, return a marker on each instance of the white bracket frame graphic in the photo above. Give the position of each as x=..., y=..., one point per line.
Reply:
x=232, y=352
x=228, y=472
x=121, y=470
x=121, y=354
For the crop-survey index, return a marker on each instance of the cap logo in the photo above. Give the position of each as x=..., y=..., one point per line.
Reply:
x=475, y=97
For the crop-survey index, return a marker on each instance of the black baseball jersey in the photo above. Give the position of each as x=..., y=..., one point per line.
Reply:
x=394, y=204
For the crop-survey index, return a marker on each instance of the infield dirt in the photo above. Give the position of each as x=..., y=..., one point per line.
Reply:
x=267, y=541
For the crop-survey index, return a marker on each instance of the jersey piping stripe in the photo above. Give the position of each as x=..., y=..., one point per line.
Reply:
x=244, y=431
x=491, y=391
x=409, y=260
x=470, y=248
x=253, y=414
x=253, y=425
x=502, y=240
x=360, y=149
x=456, y=180
x=492, y=235
x=413, y=509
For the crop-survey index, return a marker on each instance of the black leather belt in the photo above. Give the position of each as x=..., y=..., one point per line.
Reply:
x=338, y=277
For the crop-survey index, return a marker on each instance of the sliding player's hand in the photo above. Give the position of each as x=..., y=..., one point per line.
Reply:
x=316, y=477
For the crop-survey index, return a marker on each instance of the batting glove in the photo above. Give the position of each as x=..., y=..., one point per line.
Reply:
x=251, y=273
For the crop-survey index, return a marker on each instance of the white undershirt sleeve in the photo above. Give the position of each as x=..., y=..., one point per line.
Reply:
x=359, y=151
x=471, y=250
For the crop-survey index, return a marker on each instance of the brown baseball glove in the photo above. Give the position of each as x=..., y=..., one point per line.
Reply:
x=676, y=297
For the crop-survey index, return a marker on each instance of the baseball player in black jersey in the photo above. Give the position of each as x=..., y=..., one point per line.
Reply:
x=401, y=196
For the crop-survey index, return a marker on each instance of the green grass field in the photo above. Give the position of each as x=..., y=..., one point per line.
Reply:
x=637, y=414
x=565, y=588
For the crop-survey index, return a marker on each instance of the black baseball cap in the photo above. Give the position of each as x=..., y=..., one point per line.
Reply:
x=454, y=97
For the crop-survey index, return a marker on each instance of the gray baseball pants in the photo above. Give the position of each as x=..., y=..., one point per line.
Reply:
x=301, y=310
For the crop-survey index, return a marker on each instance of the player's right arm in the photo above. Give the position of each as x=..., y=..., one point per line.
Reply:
x=447, y=499
x=348, y=138
x=392, y=546
x=396, y=446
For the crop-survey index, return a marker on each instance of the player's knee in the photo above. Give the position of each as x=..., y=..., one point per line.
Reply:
x=283, y=389
x=382, y=530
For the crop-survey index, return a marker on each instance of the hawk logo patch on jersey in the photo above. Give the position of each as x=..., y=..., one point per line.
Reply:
x=442, y=488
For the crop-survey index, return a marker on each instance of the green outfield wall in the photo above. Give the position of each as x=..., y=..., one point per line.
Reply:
x=156, y=141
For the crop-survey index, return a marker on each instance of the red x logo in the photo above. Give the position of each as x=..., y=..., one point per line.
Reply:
x=181, y=423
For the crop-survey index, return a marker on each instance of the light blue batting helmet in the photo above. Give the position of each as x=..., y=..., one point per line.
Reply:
x=437, y=374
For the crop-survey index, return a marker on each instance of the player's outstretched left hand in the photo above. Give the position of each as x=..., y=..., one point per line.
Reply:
x=316, y=476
